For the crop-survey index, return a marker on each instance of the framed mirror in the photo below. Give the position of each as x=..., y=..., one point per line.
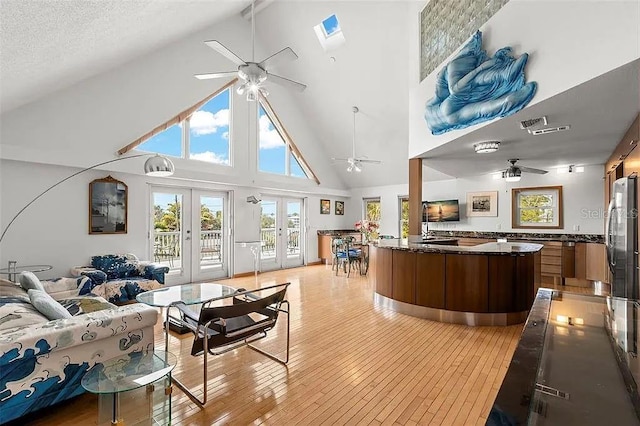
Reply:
x=107, y=206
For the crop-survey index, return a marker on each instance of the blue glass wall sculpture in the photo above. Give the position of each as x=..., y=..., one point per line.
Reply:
x=474, y=88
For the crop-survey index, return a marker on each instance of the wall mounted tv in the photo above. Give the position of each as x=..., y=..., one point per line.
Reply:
x=443, y=211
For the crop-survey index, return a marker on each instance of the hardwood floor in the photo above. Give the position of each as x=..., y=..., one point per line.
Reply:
x=350, y=363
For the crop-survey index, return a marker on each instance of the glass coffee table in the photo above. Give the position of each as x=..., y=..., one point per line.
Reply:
x=145, y=376
x=189, y=294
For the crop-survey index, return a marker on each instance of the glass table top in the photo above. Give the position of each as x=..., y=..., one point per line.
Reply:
x=30, y=268
x=189, y=294
x=128, y=372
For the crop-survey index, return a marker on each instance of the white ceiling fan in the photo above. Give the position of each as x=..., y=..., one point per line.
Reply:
x=254, y=74
x=355, y=163
x=514, y=173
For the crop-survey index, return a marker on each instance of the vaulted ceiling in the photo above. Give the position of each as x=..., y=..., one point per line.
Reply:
x=47, y=46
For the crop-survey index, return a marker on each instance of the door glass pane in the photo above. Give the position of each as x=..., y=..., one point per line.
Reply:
x=167, y=229
x=268, y=220
x=293, y=228
x=211, y=249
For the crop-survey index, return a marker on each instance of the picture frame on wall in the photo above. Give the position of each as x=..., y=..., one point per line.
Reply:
x=107, y=206
x=539, y=207
x=325, y=206
x=339, y=208
x=482, y=204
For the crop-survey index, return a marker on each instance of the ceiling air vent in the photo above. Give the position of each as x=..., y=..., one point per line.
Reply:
x=540, y=121
x=548, y=130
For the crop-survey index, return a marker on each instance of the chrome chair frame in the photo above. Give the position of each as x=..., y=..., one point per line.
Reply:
x=201, y=332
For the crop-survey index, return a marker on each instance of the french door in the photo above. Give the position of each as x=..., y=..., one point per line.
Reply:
x=190, y=230
x=282, y=233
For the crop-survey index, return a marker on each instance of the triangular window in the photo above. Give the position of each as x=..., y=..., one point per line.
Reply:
x=276, y=151
x=198, y=133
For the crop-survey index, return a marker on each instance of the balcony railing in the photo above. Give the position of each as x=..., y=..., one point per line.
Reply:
x=167, y=245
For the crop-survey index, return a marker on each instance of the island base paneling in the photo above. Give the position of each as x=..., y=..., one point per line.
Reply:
x=457, y=285
x=466, y=282
x=430, y=280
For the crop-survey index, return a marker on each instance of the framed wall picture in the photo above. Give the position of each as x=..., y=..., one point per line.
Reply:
x=107, y=206
x=325, y=206
x=482, y=203
x=537, y=207
x=340, y=208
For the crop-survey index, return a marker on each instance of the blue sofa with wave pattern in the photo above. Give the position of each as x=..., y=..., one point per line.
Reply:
x=42, y=361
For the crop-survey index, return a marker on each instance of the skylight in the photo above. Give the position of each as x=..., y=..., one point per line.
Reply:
x=331, y=25
x=329, y=33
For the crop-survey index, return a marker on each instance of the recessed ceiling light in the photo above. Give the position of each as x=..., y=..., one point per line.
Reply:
x=486, y=147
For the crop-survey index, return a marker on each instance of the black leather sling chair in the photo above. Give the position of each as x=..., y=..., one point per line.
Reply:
x=251, y=316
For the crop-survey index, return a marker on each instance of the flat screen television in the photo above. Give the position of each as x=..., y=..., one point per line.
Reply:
x=443, y=211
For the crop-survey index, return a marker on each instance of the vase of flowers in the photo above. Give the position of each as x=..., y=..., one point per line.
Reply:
x=367, y=228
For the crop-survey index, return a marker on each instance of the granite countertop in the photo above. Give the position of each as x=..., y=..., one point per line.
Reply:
x=337, y=231
x=528, y=236
x=487, y=248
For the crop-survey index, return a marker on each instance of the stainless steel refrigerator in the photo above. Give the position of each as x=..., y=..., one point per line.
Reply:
x=621, y=237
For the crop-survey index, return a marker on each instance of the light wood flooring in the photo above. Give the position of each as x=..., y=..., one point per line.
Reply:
x=351, y=363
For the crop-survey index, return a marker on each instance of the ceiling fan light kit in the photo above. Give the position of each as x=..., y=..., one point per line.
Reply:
x=514, y=173
x=486, y=147
x=253, y=75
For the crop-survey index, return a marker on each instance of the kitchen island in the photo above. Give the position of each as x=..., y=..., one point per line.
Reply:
x=486, y=284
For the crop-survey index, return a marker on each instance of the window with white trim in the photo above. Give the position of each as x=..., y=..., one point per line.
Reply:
x=372, y=212
x=403, y=214
x=275, y=153
x=204, y=134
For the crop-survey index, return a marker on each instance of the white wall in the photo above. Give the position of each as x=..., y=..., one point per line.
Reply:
x=569, y=42
x=583, y=195
x=54, y=230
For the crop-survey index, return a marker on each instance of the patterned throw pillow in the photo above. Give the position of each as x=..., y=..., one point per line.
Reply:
x=83, y=305
x=116, y=267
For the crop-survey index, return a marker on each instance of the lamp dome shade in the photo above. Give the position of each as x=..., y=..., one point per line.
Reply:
x=159, y=166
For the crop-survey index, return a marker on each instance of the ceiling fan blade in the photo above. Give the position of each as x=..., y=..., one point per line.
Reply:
x=530, y=170
x=221, y=49
x=285, y=55
x=216, y=75
x=286, y=82
x=362, y=160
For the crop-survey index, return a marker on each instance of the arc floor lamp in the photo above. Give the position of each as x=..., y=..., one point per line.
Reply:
x=156, y=165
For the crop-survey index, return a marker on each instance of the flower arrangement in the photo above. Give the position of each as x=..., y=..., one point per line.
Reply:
x=367, y=228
